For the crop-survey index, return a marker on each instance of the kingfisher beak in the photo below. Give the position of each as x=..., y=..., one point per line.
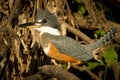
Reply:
x=31, y=25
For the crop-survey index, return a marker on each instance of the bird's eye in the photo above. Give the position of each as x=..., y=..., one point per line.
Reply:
x=44, y=21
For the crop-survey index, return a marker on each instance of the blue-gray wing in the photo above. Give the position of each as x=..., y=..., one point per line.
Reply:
x=71, y=47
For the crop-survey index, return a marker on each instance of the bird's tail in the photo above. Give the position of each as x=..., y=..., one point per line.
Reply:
x=109, y=36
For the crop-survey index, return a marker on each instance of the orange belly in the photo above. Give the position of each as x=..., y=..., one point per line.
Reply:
x=54, y=53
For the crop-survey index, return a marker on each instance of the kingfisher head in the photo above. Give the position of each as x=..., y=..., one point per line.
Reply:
x=45, y=22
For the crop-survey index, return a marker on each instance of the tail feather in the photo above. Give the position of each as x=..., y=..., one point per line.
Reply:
x=109, y=36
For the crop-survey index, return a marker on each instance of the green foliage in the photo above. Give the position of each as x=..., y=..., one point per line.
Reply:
x=99, y=33
x=110, y=56
x=92, y=65
x=81, y=7
x=64, y=66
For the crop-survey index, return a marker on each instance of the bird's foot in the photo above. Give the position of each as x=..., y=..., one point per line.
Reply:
x=67, y=67
x=55, y=63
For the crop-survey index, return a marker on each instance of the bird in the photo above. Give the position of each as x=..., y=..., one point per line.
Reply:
x=63, y=48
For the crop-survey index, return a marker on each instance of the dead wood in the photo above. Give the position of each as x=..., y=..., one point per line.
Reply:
x=53, y=71
x=84, y=68
x=116, y=70
x=80, y=34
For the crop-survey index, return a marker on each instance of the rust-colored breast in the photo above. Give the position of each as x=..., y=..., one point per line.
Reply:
x=54, y=53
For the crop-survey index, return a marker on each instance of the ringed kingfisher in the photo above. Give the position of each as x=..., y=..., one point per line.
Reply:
x=63, y=48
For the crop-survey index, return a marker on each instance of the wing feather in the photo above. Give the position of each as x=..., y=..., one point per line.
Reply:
x=71, y=47
x=68, y=46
